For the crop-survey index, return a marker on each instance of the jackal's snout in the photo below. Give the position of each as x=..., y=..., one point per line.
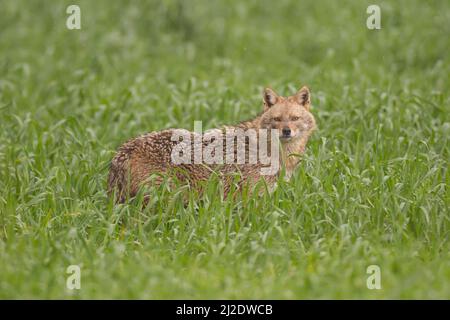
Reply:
x=286, y=132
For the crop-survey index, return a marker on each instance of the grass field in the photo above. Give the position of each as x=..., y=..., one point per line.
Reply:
x=373, y=187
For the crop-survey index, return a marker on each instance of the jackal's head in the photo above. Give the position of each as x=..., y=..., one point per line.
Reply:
x=289, y=115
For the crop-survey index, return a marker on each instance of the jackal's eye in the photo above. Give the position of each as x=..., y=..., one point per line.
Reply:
x=294, y=118
x=277, y=119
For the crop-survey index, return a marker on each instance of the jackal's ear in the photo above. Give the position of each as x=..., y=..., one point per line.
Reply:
x=303, y=97
x=269, y=97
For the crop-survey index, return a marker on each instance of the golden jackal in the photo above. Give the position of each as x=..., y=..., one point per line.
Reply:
x=284, y=127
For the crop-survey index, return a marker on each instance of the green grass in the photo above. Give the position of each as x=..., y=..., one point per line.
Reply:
x=372, y=187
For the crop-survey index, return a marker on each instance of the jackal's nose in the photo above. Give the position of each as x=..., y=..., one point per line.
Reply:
x=286, y=132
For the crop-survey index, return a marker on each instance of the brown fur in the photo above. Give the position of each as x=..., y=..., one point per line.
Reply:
x=139, y=158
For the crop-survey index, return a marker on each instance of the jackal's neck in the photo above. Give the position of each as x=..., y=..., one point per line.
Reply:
x=291, y=152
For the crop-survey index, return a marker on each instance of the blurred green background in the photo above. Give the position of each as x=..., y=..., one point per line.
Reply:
x=372, y=188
